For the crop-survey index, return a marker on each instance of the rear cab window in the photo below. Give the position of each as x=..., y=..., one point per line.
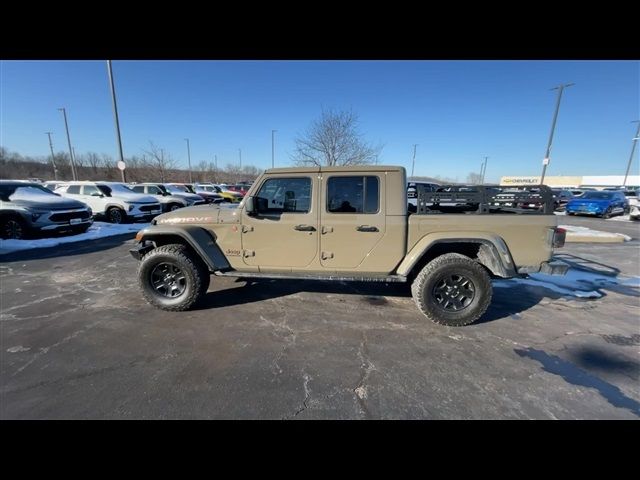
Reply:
x=353, y=194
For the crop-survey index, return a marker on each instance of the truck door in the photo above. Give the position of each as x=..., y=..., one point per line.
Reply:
x=283, y=232
x=352, y=219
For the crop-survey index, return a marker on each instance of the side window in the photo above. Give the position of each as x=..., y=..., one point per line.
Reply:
x=74, y=189
x=153, y=190
x=291, y=195
x=90, y=190
x=137, y=188
x=353, y=194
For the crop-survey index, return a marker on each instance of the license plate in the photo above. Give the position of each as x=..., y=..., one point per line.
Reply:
x=75, y=220
x=582, y=208
x=532, y=204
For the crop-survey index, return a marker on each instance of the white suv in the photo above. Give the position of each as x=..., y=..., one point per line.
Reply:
x=115, y=201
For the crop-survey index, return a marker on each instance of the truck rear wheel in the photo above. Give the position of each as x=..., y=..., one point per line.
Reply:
x=173, y=278
x=452, y=290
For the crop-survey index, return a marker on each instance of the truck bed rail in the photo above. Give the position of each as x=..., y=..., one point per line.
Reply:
x=480, y=199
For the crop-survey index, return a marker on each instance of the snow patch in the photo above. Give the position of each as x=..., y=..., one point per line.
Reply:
x=95, y=231
x=583, y=232
x=576, y=283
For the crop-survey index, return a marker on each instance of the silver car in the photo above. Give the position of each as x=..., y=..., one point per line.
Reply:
x=29, y=208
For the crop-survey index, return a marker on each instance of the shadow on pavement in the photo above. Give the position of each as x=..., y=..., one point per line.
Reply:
x=258, y=290
x=575, y=375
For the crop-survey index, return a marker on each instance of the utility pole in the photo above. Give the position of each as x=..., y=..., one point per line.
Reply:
x=240, y=153
x=53, y=157
x=115, y=116
x=633, y=149
x=273, y=155
x=413, y=162
x=547, y=157
x=66, y=126
x=483, y=170
x=189, y=159
x=74, y=158
x=215, y=163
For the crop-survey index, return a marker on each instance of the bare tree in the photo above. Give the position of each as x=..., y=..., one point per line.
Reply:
x=474, y=178
x=334, y=139
x=160, y=161
x=93, y=160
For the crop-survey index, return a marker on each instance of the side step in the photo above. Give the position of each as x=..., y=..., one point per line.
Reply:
x=319, y=276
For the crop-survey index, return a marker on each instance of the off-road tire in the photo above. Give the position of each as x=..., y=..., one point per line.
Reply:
x=13, y=228
x=444, y=266
x=112, y=215
x=196, y=275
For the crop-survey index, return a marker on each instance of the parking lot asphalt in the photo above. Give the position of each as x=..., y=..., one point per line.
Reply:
x=77, y=341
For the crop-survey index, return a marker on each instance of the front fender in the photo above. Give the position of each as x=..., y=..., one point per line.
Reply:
x=201, y=240
x=494, y=253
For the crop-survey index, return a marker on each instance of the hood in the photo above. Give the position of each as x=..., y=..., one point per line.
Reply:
x=200, y=214
x=134, y=197
x=52, y=202
x=589, y=201
x=189, y=196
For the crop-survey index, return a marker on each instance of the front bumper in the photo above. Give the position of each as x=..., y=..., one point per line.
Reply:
x=141, y=250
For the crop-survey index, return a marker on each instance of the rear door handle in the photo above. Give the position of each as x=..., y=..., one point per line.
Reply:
x=305, y=228
x=367, y=228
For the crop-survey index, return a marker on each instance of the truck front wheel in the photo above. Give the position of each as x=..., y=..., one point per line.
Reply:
x=173, y=278
x=452, y=290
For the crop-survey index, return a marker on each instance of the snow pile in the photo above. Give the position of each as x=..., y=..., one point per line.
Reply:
x=576, y=283
x=584, y=234
x=97, y=230
x=621, y=218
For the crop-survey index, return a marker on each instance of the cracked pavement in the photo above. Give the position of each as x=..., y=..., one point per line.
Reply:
x=78, y=341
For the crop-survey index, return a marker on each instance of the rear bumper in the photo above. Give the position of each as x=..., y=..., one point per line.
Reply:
x=549, y=268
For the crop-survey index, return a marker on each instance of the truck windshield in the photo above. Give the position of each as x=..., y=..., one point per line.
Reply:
x=177, y=188
x=14, y=192
x=598, y=195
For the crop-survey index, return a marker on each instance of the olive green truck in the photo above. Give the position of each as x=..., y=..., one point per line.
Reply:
x=354, y=224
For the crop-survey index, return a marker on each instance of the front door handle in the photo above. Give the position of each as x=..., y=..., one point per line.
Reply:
x=305, y=228
x=367, y=228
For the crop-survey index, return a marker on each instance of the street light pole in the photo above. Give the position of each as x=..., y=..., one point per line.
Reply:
x=240, y=153
x=115, y=116
x=189, y=160
x=53, y=158
x=273, y=155
x=633, y=149
x=483, y=170
x=66, y=126
x=546, y=160
x=413, y=162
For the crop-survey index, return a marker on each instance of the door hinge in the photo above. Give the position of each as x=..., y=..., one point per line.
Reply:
x=247, y=228
x=248, y=253
x=326, y=255
x=327, y=230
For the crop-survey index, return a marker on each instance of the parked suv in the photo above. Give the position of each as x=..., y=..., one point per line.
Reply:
x=117, y=202
x=27, y=208
x=183, y=191
x=169, y=201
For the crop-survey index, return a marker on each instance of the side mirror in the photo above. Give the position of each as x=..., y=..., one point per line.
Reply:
x=249, y=206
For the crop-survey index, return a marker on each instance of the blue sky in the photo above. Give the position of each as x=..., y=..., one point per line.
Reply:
x=456, y=111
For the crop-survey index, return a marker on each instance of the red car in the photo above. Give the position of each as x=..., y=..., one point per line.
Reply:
x=241, y=189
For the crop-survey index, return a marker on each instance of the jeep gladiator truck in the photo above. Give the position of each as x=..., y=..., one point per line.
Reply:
x=352, y=223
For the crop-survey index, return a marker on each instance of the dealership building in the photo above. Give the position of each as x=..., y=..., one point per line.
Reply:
x=594, y=181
